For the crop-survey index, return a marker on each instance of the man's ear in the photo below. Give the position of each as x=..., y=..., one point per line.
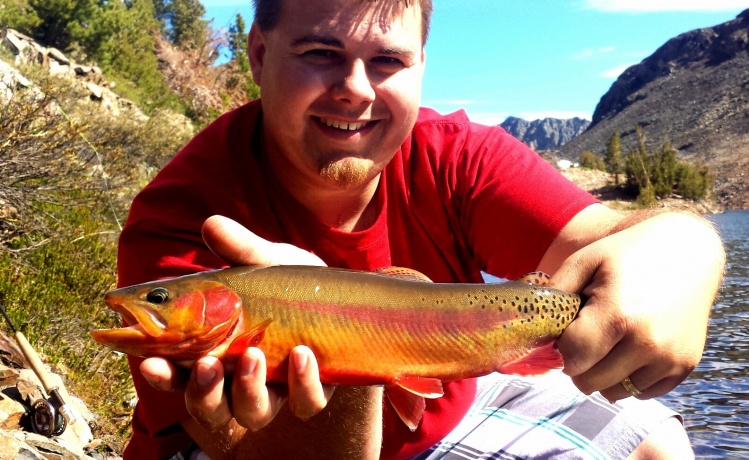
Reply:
x=256, y=52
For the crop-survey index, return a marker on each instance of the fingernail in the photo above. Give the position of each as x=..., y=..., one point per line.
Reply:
x=204, y=374
x=300, y=361
x=152, y=379
x=249, y=364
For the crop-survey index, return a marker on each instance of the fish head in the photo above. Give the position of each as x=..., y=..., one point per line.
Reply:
x=179, y=319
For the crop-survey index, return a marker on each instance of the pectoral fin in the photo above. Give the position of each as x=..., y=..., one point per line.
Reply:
x=247, y=339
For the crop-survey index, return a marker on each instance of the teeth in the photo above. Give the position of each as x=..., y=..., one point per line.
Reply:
x=343, y=125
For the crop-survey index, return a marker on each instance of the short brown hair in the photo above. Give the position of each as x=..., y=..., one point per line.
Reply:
x=267, y=14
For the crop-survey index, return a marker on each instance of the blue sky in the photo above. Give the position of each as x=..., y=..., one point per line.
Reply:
x=536, y=58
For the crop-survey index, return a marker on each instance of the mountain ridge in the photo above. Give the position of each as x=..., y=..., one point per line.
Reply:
x=693, y=92
x=546, y=133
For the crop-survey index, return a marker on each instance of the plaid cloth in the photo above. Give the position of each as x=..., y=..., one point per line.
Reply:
x=547, y=417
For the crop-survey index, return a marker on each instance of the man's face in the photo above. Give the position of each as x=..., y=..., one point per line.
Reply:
x=340, y=83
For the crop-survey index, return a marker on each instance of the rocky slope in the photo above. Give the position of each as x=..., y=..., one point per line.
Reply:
x=546, y=134
x=693, y=91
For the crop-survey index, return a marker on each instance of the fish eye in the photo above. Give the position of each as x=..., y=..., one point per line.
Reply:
x=157, y=295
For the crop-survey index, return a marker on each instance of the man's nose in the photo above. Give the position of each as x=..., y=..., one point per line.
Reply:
x=353, y=85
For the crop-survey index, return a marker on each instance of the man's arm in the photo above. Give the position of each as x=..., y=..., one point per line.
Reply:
x=649, y=278
x=253, y=419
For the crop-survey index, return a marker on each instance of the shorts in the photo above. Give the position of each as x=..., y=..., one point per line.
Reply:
x=538, y=417
x=547, y=417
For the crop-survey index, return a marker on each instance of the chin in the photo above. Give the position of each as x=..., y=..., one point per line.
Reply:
x=347, y=172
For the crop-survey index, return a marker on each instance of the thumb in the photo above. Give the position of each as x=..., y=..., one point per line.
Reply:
x=577, y=271
x=236, y=245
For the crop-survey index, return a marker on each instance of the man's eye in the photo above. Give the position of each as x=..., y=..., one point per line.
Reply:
x=321, y=54
x=388, y=61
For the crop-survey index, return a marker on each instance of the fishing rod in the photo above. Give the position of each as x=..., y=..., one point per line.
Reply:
x=49, y=417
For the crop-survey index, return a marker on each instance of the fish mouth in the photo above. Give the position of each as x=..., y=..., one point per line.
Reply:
x=140, y=319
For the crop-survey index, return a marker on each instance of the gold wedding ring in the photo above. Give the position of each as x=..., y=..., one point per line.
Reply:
x=630, y=387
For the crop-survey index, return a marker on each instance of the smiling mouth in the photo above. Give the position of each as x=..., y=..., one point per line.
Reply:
x=343, y=125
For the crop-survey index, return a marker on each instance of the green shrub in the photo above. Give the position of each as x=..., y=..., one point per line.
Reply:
x=69, y=173
x=590, y=160
x=653, y=175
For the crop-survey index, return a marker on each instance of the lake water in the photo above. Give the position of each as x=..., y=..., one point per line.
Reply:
x=715, y=397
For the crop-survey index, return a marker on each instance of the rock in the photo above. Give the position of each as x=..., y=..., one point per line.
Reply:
x=27, y=51
x=20, y=388
x=96, y=91
x=10, y=413
x=57, y=55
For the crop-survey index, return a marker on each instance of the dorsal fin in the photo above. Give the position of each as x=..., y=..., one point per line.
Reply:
x=403, y=273
x=535, y=278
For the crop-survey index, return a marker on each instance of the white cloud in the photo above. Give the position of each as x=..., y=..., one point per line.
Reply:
x=495, y=118
x=616, y=71
x=650, y=6
x=589, y=53
x=488, y=118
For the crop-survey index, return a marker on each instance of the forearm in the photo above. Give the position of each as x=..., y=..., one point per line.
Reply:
x=349, y=427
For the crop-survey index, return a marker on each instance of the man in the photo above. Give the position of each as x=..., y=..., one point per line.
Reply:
x=338, y=165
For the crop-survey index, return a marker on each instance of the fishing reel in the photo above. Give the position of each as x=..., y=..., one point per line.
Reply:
x=48, y=417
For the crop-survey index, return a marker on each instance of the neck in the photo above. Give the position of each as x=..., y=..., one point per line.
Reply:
x=346, y=208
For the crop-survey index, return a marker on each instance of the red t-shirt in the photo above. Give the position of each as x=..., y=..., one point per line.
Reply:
x=456, y=199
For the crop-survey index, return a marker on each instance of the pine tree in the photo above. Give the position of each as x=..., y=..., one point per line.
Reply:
x=185, y=27
x=613, y=158
x=63, y=22
x=238, y=43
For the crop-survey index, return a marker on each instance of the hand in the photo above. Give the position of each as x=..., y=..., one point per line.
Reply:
x=649, y=289
x=252, y=403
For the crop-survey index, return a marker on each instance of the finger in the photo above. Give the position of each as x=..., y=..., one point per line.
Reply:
x=617, y=391
x=204, y=395
x=255, y=405
x=307, y=396
x=621, y=362
x=590, y=337
x=163, y=375
x=236, y=245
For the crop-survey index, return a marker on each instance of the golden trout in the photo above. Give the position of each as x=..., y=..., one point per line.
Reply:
x=392, y=327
